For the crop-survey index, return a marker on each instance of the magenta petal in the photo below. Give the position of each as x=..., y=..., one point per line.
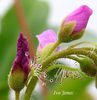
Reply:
x=23, y=57
x=46, y=37
x=80, y=16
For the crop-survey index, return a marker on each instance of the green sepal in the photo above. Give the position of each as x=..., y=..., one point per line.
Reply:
x=66, y=31
x=16, y=79
x=77, y=35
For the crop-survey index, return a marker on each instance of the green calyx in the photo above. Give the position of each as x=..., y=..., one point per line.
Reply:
x=66, y=32
x=16, y=79
x=77, y=35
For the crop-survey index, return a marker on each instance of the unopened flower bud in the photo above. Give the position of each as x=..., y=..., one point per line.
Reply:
x=76, y=23
x=21, y=65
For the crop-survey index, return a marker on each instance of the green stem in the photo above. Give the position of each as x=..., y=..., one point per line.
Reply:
x=96, y=80
x=17, y=94
x=74, y=58
x=91, y=49
x=77, y=44
x=64, y=53
x=30, y=88
x=61, y=67
x=53, y=48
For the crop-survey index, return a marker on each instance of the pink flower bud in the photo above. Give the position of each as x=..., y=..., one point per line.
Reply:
x=21, y=65
x=22, y=59
x=80, y=17
x=74, y=24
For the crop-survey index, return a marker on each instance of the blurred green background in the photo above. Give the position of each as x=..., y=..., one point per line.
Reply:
x=36, y=14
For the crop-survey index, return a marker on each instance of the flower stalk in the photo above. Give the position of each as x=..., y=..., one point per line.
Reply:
x=64, y=53
x=30, y=88
x=17, y=95
x=53, y=48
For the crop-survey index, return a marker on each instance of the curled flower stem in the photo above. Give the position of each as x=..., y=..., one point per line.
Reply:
x=74, y=58
x=65, y=53
x=17, y=94
x=61, y=67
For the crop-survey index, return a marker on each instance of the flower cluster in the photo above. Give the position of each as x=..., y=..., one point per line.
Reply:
x=23, y=73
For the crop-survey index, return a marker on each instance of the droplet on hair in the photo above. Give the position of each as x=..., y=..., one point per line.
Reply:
x=45, y=75
x=39, y=65
x=65, y=76
x=38, y=57
x=51, y=80
x=75, y=63
x=60, y=83
x=26, y=54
